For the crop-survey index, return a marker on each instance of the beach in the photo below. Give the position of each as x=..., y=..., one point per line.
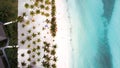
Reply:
x=62, y=38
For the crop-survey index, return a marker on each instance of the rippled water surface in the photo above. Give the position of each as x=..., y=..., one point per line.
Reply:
x=95, y=33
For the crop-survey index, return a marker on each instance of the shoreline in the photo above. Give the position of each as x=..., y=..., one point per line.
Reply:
x=63, y=37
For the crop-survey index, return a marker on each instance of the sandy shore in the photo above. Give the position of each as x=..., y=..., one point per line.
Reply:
x=63, y=35
x=62, y=38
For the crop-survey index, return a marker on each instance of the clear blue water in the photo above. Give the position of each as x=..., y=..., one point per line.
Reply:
x=95, y=33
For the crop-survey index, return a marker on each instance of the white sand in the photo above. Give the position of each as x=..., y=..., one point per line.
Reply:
x=63, y=35
x=62, y=38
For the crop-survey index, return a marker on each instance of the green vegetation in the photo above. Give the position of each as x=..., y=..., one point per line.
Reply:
x=53, y=20
x=54, y=46
x=34, y=42
x=46, y=64
x=23, y=25
x=47, y=8
x=22, y=34
x=29, y=59
x=28, y=46
x=26, y=5
x=33, y=35
x=38, y=53
x=24, y=14
x=32, y=13
x=28, y=51
x=49, y=51
x=31, y=6
x=53, y=52
x=28, y=38
x=34, y=49
x=55, y=59
x=28, y=22
x=38, y=40
x=23, y=63
x=47, y=21
x=38, y=59
x=37, y=11
x=34, y=62
x=41, y=1
x=33, y=56
x=22, y=54
x=29, y=31
x=12, y=56
x=38, y=47
x=22, y=42
x=36, y=4
x=47, y=2
x=42, y=6
x=38, y=33
x=54, y=65
x=19, y=19
x=47, y=14
x=8, y=12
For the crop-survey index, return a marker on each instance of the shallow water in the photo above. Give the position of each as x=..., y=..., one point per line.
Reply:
x=95, y=33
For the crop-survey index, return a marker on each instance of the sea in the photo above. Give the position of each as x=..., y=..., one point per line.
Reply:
x=95, y=33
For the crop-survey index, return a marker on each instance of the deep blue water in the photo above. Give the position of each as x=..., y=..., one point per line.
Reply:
x=95, y=33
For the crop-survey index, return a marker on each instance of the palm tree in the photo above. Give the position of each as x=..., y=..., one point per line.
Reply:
x=23, y=25
x=47, y=57
x=22, y=54
x=34, y=42
x=46, y=44
x=33, y=62
x=32, y=13
x=27, y=22
x=38, y=47
x=24, y=13
x=23, y=63
x=37, y=11
x=38, y=40
x=53, y=52
x=34, y=49
x=36, y=4
x=33, y=56
x=54, y=46
x=22, y=42
x=29, y=59
x=47, y=14
x=54, y=59
x=46, y=64
x=47, y=2
x=20, y=19
x=38, y=53
x=38, y=59
x=42, y=6
x=29, y=31
x=33, y=35
x=28, y=46
x=31, y=6
x=26, y=5
x=47, y=8
x=47, y=21
x=46, y=49
x=41, y=1
x=54, y=65
x=28, y=38
x=28, y=51
x=22, y=34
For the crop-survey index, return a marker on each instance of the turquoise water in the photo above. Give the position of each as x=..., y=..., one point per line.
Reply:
x=95, y=33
